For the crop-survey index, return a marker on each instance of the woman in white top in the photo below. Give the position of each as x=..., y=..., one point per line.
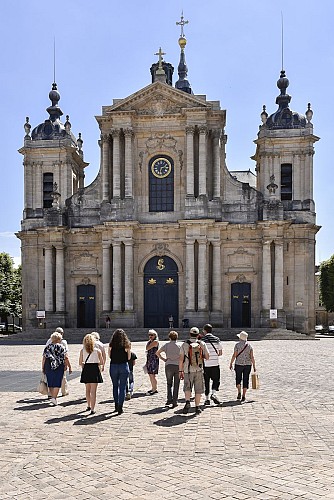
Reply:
x=91, y=361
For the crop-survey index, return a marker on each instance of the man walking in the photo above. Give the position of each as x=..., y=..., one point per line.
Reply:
x=193, y=352
x=211, y=366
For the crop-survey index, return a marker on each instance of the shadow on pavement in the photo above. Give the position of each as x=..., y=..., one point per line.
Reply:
x=176, y=419
x=94, y=419
x=153, y=411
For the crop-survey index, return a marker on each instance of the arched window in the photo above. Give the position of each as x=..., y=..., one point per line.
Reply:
x=161, y=184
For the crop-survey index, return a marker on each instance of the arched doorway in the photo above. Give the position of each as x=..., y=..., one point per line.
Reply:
x=161, y=292
x=240, y=305
x=86, y=306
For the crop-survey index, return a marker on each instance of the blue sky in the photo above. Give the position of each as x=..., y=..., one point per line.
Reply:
x=104, y=50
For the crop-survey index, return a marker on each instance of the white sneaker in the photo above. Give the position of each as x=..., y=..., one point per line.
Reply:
x=54, y=402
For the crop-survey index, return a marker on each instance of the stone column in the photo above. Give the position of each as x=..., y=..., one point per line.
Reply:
x=60, y=279
x=216, y=163
x=202, y=160
x=116, y=164
x=105, y=166
x=296, y=178
x=202, y=276
x=216, y=276
x=266, y=275
x=128, y=269
x=190, y=276
x=190, y=160
x=279, y=276
x=48, y=278
x=28, y=184
x=38, y=194
x=117, y=276
x=128, y=162
x=106, y=277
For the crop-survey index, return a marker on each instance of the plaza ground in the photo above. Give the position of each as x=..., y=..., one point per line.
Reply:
x=277, y=445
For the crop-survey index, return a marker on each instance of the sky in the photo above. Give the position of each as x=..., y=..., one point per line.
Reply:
x=104, y=50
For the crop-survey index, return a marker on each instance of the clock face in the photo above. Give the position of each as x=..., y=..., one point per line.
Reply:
x=161, y=167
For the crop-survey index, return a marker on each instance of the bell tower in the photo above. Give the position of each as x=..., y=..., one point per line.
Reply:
x=53, y=163
x=284, y=158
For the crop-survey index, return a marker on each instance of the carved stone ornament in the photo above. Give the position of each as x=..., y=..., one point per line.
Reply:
x=241, y=278
x=160, y=249
x=180, y=153
x=86, y=281
x=161, y=141
x=141, y=158
x=159, y=106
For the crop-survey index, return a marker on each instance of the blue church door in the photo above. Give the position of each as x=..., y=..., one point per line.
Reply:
x=161, y=292
x=240, y=305
x=86, y=306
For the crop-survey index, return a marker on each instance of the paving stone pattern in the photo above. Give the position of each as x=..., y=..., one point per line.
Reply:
x=277, y=445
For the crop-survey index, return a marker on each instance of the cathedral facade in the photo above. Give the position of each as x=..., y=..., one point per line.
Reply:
x=165, y=229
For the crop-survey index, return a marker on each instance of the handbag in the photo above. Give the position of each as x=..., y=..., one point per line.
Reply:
x=255, y=381
x=42, y=387
x=145, y=368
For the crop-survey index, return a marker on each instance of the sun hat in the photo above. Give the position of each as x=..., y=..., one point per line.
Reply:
x=242, y=335
x=194, y=331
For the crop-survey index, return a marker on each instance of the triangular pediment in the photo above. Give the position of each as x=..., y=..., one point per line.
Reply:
x=157, y=99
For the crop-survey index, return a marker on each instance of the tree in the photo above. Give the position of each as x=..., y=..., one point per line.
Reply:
x=327, y=284
x=10, y=289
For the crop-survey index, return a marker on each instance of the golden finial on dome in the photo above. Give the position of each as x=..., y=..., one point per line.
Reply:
x=182, y=42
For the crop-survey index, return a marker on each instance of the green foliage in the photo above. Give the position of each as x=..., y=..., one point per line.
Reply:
x=10, y=288
x=327, y=284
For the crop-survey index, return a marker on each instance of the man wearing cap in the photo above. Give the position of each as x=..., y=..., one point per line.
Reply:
x=211, y=367
x=244, y=359
x=192, y=354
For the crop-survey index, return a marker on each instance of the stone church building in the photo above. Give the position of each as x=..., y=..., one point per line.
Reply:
x=165, y=229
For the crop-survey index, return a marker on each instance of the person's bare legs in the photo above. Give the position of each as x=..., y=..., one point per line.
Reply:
x=88, y=386
x=239, y=390
x=154, y=382
x=198, y=399
x=93, y=389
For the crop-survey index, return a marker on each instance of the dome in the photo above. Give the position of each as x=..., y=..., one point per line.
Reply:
x=284, y=117
x=49, y=130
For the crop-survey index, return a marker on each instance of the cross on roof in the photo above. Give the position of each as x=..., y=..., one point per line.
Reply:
x=182, y=23
x=160, y=54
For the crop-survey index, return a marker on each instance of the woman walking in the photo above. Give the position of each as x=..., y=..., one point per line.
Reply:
x=119, y=353
x=91, y=361
x=244, y=359
x=55, y=362
x=171, y=359
x=152, y=361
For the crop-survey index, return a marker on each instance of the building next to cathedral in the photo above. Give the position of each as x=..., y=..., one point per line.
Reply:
x=165, y=229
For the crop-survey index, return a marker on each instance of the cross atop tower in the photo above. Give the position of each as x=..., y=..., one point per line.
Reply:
x=182, y=23
x=160, y=54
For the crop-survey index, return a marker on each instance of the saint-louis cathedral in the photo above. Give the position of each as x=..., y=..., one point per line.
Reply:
x=166, y=229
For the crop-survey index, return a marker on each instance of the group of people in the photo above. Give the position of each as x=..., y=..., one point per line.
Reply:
x=195, y=362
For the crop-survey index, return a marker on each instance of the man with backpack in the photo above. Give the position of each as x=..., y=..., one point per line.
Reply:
x=211, y=367
x=193, y=352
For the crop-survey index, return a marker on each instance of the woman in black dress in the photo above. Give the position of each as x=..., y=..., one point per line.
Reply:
x=91, y=361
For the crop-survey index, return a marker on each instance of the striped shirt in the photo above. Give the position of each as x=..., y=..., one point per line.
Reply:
x=214, y=346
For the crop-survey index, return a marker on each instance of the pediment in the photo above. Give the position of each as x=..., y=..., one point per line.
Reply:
x=157, y=99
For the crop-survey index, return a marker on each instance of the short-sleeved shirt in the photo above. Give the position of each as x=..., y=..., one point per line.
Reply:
x=172, y=351
x=214, y=346
x=132, y=359
x=184, y=351
x=245, y=357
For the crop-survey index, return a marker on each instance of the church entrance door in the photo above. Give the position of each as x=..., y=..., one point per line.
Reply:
x=240, y=305
x=161, y=292
x=86, y=306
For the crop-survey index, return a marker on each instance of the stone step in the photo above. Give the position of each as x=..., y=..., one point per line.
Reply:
x=75, y=335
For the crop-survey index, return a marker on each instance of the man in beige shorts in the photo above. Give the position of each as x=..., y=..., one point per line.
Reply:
x=191, y=367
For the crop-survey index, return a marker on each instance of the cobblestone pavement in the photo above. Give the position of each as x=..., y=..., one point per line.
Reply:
x=277, y=445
